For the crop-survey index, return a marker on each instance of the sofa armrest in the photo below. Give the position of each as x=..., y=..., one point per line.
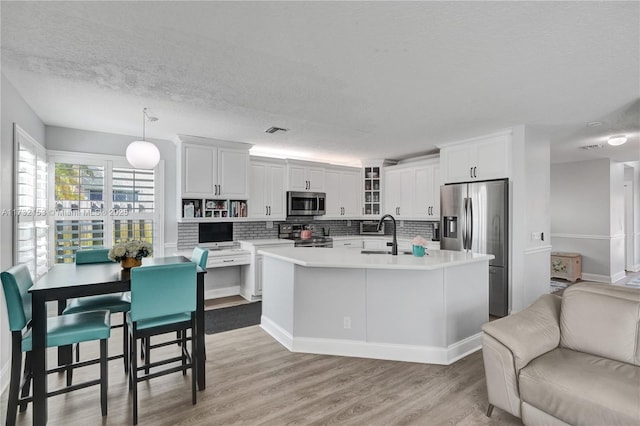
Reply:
x=529, y=333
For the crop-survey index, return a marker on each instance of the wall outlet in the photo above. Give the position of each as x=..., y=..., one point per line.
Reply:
x=269, y=224
x=349, y=223
x=401, y=224
x=347, y=322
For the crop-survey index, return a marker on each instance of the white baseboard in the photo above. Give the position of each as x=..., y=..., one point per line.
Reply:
x=634, y=268
x=596, y=277
x=374, y=350
x=222, y=292
x=603, y=278
x=277, y=332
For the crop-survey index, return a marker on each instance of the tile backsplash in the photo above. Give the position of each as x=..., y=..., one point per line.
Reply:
x=188, y=232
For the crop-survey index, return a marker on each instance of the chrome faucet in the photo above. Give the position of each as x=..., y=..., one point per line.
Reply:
x=394, y=244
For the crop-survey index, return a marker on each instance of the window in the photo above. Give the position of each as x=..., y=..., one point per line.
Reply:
x=99, y=201
x=78, y=198
x=31, y=204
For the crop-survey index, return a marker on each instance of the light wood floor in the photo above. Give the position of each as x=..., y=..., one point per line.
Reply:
x=253, y=380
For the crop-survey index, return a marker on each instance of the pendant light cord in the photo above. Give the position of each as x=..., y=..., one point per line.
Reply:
x=144, y=115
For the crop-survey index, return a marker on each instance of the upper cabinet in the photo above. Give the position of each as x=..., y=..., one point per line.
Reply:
x=412, y=190
x=305, y=176
x=426, y=202
x=267, y=189
x=478, y=159
x=398, y=191
x=342, y=185
x=372, y=191
x=212, y=168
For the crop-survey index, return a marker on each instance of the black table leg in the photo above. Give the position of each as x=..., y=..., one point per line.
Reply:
x=65, y=353
x=200, y=359
x=39, y=358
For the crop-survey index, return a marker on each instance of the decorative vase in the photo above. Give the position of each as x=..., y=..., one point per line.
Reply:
x=130, y=262
x=418, y=251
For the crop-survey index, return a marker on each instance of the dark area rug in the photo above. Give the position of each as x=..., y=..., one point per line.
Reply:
x=225, y=319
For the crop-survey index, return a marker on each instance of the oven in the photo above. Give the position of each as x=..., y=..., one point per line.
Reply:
x=326, y=242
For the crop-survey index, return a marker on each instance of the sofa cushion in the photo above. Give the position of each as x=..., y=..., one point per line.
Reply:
x=580, y=388
x=601, y=319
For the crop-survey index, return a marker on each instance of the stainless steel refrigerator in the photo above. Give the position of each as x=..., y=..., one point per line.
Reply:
x=475, y=217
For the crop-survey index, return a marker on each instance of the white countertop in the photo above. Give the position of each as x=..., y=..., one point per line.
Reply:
x=318, y=257
x=218, y=252
x=268, y=241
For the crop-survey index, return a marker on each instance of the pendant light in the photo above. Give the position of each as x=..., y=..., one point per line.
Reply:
x=143, y=154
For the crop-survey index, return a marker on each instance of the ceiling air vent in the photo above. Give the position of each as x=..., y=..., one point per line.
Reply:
x=275, y=129
x=594, y=146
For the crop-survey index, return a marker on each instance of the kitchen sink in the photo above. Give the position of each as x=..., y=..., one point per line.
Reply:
x=384, y=252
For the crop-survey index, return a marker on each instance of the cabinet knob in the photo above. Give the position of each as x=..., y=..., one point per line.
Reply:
x=474, y=172
x=470, y=172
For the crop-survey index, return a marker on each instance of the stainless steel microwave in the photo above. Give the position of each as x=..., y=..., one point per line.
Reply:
x=305, y=203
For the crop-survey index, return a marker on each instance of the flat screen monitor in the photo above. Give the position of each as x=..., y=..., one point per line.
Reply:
x=214, y=234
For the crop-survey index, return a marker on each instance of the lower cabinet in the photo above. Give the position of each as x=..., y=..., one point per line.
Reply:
x=251, y=274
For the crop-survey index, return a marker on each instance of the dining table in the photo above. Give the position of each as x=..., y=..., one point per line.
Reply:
x=65, y=281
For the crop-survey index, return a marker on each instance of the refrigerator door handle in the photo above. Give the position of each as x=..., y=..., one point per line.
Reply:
x=464, y=224
x=470, y=225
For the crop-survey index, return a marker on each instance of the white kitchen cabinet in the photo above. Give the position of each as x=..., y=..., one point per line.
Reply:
x=305, y=176
x=342, y=186
x=267, y=189
x=427, y=183
x=398, y=191
x=479, y=159
x=213, y=169
x=251, y=274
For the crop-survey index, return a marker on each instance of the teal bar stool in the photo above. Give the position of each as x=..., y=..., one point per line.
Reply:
x=199, y=257
x=163, y=300
x=115, y=303
x=61, y=331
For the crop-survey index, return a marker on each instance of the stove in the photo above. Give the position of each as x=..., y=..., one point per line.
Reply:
x=291, y=231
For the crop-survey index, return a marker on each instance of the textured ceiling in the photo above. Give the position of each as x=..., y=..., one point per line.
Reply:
x=351, y=80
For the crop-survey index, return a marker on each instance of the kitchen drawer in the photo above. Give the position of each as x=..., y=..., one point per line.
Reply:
x=223, y=261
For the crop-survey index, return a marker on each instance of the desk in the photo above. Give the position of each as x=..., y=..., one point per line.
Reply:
x=66, y=281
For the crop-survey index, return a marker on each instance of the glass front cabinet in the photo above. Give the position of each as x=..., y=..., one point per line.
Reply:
x=372, y=188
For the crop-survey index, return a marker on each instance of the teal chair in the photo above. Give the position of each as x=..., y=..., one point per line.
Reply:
x=163, y=300
x=61, y=331
x=199, y=257
x=115, y=303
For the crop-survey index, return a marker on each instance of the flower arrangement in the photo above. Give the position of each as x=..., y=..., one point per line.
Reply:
x=136, y=249
x=419, y=241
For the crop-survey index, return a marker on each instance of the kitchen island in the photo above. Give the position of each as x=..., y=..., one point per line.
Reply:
x=341, y=302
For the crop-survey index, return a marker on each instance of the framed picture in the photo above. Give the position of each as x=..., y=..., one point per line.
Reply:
x=210, y=204
x=207, y=213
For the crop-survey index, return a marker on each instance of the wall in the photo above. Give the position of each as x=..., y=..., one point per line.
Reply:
x=587, y=208
x=632, y=178
x=14, y=110
x=75, y=140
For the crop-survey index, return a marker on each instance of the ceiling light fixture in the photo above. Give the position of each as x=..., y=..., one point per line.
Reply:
x=617, y=140
x=143, y=154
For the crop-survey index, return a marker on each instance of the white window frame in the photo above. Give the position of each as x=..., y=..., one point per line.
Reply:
x=108, y=162
x=33, y=213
